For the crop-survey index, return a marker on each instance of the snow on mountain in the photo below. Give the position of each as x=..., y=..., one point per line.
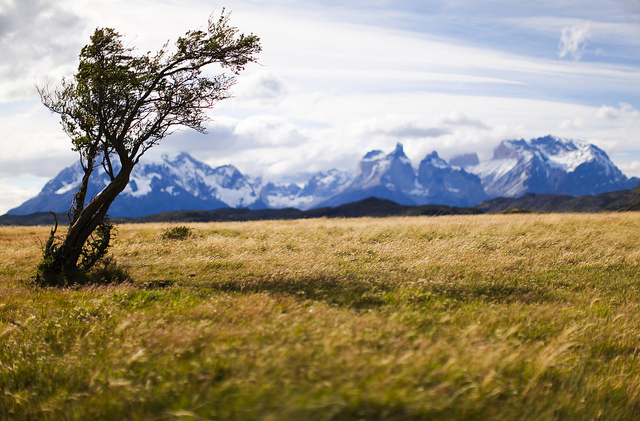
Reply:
x=372, y=166
x=401, y=175
x=178, y=182
x=327, y=183
x=445, y=184
x=433, y=160
x=382, y=176
x=320, y=187
x=549, y=165
x=393, y=177
x=279, y=196
x=181, y=182
x=492, y=171
x=392, y=171
x=225, y=183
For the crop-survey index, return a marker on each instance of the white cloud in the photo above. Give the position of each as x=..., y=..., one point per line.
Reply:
x=631, y=169
x=569, y=124
x=261, y=85
x=32, y=142
x=265, y=131
x=269, y=144
x=624, y=111
x=399, y=128
x=458, y=119
x=573, y=40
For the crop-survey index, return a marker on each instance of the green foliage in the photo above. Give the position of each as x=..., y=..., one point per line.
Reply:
x=123, y=104
x=96, y=247
x=177, y=233
x=51, y=270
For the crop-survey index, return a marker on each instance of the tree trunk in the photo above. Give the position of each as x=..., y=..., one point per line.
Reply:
x=88, y=220
x=79, y=198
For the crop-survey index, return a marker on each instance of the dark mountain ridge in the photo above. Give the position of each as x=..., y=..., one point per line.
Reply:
x=369, y=207
x=617, y=201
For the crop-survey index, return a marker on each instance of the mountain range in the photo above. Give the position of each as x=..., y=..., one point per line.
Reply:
x=547, y=165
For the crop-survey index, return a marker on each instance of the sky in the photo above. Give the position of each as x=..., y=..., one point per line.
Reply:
x=337, y=79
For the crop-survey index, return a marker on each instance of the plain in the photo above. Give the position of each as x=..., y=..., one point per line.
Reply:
x=521, y=316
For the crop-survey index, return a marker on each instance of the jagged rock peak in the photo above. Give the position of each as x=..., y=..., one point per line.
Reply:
x=374, y=155
x=434, y=159
x=177, y=181
x=399, y=151
x=399, y=154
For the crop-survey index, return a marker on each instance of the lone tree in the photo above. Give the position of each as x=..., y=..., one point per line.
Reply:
x=120, y=105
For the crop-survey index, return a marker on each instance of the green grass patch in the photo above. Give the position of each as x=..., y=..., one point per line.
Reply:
x=177, y=233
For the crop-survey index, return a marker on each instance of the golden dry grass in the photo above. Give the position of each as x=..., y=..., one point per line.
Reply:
x=468, y=317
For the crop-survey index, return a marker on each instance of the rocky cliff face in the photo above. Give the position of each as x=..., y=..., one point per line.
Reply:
x=393, y=177
x=443, y=183
x=386, y=176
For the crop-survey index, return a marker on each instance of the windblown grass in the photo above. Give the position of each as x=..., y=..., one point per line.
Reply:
x=504, y=317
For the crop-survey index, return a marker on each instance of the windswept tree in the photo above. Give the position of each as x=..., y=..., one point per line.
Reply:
x=118, y=106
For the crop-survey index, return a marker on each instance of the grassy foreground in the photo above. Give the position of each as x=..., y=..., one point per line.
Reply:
x=467, y=317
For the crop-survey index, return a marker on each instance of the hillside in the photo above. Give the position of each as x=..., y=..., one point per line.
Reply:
x=617, y=201
x=371, y=206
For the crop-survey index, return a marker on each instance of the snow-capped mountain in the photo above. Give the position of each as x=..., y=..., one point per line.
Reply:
x=181, y=182
x=178, y=182
x=380, y=175
x=446, y=184
x=393, y=177
x=550, y=165
x=319, y=188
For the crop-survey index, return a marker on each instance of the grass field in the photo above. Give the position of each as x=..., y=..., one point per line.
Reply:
x=483, y=317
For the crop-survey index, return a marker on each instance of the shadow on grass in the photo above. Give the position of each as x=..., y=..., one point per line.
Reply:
x=496, y=292
x=368, y=292
x=357, y=294
x=373, y=411
x=374, y=293
x=377, y=411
